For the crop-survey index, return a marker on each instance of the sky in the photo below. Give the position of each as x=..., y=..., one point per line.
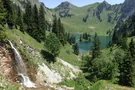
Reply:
x=79, y=3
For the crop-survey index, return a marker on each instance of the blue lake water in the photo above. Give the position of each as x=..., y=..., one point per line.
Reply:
x=86, y=46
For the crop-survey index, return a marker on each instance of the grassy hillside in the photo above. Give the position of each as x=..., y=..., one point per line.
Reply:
x=75, y=23
x=105, y=85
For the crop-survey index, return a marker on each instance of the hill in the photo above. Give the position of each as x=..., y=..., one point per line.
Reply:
x=97, y=17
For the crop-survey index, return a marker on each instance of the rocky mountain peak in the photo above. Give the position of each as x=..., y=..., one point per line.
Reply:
x=65, y=5
x=128, y=8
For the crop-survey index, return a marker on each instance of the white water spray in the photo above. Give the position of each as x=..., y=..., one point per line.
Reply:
x=21, y=69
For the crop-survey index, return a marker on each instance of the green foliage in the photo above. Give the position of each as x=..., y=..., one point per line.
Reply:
x=59, y=30
x=115, y=37
x=127, y=68
x=66, y=53
x=127, y=71
x=95, y=46
x=2, y=12
x=132, y=48
x=76, y=49
x=35, y=21
x=100, y=68
x=42, y=22
x=86, y=37
x=71, y=40
x=106, y=85
x=3, y=36
x=10, y=16
x=19, y=20
x=55, y=28
x=28, y=18
x=52, y=44
x=79, y=83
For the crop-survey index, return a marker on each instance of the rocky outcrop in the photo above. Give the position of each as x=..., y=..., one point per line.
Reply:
x=64, y=9
x=128, y=8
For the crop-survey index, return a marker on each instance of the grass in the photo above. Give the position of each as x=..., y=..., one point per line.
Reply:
x=80, y=83
x=6, y=85
x=106, y=85
x=75, y=23
x=66, y=53
x=16, y=36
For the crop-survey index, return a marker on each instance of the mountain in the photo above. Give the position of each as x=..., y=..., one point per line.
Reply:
x=22, y=3
x=27, y=61
x=99, y=17
x=128, y=8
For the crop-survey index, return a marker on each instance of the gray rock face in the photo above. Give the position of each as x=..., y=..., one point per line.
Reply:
x=128, y=8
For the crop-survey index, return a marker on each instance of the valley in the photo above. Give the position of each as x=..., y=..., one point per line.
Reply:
x=67, y=47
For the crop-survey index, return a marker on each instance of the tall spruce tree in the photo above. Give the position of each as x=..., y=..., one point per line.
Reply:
x=19, y=19
x=52, y=44
x=42, y=22
x=28, y=17
x=115, y=37
x=2, y=12
x=76, y=49
x=10, y=16
x=95, y=46
x=127, y=71
x=55, y=26
x=132, y=48
x=35, y=24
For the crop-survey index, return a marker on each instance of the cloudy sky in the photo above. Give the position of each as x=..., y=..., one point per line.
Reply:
x=54, y=3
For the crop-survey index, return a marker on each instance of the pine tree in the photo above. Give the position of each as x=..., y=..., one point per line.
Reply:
x=28, y=18
x=35, y=24
x=132, y=48
x=80, y=38
x=115, y=37
x=52, y=44
x=76, y=49
x=55, y=26
x=19, y=20
x=127, y=71
x=2, y=12
x=10, y=16
x=96, y=46
x=42, y=22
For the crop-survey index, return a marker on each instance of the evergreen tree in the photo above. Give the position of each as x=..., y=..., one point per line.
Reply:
x=76, y=49
x=28, y=18
x=62, y=35
x=19, y=19
x=2, y=12
x=127, y=71
x=42, y=22
x=10, y=16
x=35, y=24
x=132, y=48
x=52, y=44
x=80, y=38
x=55, y=26
x=115, y=37
x=96, y=46
x=59, y=30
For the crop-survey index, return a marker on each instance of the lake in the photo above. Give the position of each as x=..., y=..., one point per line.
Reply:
x=86, y=46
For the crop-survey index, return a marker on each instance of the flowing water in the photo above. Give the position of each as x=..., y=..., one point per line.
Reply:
x=21, y=69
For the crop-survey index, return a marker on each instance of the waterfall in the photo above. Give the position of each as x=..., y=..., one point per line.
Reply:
x=21, y=69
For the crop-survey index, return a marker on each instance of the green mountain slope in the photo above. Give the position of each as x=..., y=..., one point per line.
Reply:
x=98, y=17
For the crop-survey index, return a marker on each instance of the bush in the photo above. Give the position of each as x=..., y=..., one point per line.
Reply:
x=52, y=44
x=3, y=36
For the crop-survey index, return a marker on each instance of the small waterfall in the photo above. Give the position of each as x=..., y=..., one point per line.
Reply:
x=21, y=68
